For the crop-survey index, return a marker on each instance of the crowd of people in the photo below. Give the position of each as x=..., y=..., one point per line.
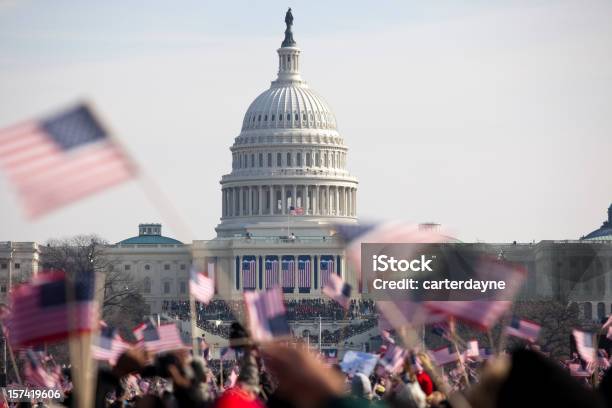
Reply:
x=297, y=309
x=340, y=335
x=288, y=375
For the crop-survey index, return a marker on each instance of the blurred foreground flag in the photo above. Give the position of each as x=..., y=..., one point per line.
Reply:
x=485, y=313
x=201, y=287
x=36, y=375
x=585, y=345
x=49, y=308
x=266, y=314
x=109, y=345
x=445, y=355
x=338, y=290
x=59, y=159
x=523, y=329
x=165, y=337
x=393, y=359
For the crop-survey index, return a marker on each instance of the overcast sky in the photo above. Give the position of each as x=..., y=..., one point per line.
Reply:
x=492, y=118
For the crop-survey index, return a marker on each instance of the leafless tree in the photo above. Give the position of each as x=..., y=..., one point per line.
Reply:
x=119, y=294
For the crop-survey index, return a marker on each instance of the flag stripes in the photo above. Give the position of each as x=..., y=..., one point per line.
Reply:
x=249, y=274
x=304, y=273
x=60, y=159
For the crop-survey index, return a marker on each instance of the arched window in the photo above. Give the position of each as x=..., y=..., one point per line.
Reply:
x=269, y=159
x=259, y=118
x=252, y=160
x=279, y=160
x=147, y=285
x=308, y=163
x=601, y=311
x=266, y=118
x=298, y=159
x=272, y=117
x=297, y=116
x=260, y=159
x=288, y=116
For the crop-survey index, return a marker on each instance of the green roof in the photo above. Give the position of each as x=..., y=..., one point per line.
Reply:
x=150, y=239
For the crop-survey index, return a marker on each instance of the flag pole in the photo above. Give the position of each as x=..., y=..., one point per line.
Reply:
x=8, y=347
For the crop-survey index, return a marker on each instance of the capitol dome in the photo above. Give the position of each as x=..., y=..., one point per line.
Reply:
x=289, y=106
x=604, y=233
x=289, y=158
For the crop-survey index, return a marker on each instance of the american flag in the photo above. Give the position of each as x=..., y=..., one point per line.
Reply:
x=484, y=313
x=383, y=232
x=584, y=345
x=393, y=359
x=386, y=337
x=327, y=269
x=36, y=375
x=266, y=314
x=296, y=210
x=249, y=277
x=304, y=273
x=523, y=329
x=288, y=273
x=201, y=287
x=165, y=337
x=40, y=311
x=445, y=355
x=227, y=353
x=397, y=314
x=61, y=158
x=109, y=345
x=338, y=290
x=272, y=278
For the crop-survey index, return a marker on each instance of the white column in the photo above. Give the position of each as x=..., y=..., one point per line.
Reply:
x=260, y=200
x=283, y=200
x=241, y=286
x=294, y=198
x=316, y=206
x=355, y=202
x=271, y=193
x=305, y=198
x=337, y=203
x=250, y=197
x=327, y=201
x=240, y=209
x=234, y=201
x=350, y=201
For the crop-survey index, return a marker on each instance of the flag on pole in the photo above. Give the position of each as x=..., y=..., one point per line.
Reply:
x=445, y=355
x=62, y=158
x=386, y=337
x=338, y=290
x=109, y=345
x=393, y=359
x=201, y=287
x=485, y=313
x=227, y=353
x=165, y=337
x=584, y=345
x=523, y=329
x=266, y=314
x=42, y=312
x=36, y=375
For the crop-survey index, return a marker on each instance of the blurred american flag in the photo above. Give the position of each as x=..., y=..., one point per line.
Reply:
x=61, y=158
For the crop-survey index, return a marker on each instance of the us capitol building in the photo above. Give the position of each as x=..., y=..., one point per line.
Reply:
x=288, y=188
